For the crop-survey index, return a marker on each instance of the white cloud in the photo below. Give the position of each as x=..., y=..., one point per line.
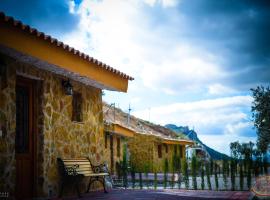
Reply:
x=117, y=33
x=164, y=3
x=218, y=122
x=219, y=89
x=121, y=34
x=210, y=116
x=221, y=143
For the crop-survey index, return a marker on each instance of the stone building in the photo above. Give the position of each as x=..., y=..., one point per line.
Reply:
x=116, y=137
x=50, y=106
x=148, y=150
x=148, y=144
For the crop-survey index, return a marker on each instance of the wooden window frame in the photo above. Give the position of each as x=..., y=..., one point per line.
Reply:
x=181, y=151
x=118, y=146
x=77, y=104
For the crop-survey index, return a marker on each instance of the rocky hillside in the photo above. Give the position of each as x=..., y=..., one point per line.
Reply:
x=191, y=134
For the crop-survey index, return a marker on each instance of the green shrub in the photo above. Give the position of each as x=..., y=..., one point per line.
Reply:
x=146, y=171
x=216, y=175
x=155, y=180
x=241, y=176
x=225, y=173
x=125, y=166
x=165, y=169
x=194, y=172
x=133, y=174
x=184, y=166
x=233, y=174
x=140, y=180
x=208, y=176
x=202, y=175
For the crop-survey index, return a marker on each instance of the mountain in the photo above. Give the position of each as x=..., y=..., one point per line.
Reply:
x=191, y=134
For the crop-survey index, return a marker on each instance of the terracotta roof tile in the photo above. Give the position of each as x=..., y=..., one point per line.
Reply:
x=60, y=44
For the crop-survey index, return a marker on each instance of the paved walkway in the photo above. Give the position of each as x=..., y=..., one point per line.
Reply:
x=129, y=194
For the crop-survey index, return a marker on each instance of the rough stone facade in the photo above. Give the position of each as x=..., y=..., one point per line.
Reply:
x=144, y=151
x=111, y=151
x=57, y=135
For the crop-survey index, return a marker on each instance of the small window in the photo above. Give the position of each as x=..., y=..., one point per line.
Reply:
x=166, y=148
x=77, y=107
x=175, y=149
x=118, y=147
x=106, y=140
x=181, y=151
x=159, y=151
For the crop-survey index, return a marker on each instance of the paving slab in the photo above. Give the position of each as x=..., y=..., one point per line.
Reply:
x=170, y=194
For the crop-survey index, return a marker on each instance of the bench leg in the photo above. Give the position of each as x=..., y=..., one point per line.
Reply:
x=90, y=182
x=103, y=183
x=77, y=188
x=61, y=190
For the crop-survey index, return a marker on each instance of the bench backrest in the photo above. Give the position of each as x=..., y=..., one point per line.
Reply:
x=84, y=165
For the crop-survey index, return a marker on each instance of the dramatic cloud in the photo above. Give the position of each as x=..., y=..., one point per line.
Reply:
x=193, y=61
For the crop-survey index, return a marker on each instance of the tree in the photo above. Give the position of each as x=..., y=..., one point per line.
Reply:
x=208, y=176
x=165, y=169
x=194, y=172
x=261, y=116
x=202, y=175
x=184, y=166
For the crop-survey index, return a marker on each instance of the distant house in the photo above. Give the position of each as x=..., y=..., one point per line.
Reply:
x=148, y=144
x=116, y=137
x=50, y=106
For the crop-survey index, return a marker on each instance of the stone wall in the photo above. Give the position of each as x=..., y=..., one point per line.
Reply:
x=141, y=148
x=144, y=151
x=107, y=151
x=58, y=135
x=8, y=127
x=159, y=162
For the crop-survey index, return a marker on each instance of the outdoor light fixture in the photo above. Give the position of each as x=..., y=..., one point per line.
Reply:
x=67, y=87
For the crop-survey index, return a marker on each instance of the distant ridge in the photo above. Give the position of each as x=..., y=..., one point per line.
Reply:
x=191, y=134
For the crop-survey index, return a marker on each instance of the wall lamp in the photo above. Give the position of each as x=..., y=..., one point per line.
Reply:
x=67, y=87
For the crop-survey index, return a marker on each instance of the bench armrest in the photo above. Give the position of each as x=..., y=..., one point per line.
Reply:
x=102, y=168
x=72, y=170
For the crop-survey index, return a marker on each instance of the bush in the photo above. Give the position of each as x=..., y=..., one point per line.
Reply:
x=146, y=171
x=225, y=173
x=202, y=175
x=133, y=178
x=208, y=176
x=233, y=174
x=241, y=174
x=125, y=166
x=216, y=176
x=140, y=180
x=193, y=171
x=184, y=166
x=165, y=169
x=155, y=180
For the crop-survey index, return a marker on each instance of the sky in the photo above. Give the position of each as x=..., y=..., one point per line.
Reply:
x=194, y=61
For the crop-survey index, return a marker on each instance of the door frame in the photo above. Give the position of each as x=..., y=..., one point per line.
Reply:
x=33, y=108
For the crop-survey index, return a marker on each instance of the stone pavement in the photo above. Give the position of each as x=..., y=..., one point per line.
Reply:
x=136, y=194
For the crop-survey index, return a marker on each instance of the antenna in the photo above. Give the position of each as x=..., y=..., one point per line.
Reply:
x=129, y=109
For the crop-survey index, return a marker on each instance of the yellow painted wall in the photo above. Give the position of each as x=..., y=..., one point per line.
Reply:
x=22, y=41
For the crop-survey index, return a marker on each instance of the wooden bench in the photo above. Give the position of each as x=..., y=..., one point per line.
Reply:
x=74, y=170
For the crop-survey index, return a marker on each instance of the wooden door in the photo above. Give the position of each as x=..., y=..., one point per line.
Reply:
x=24, y=147
x=111, y=151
